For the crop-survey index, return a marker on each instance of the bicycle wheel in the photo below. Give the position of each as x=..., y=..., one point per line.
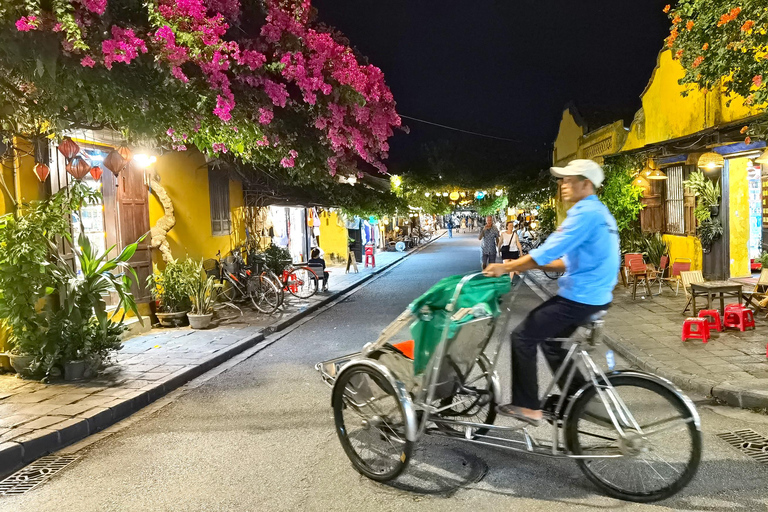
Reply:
x=370, y=423
x=302, y=282
x=227, y=291
x=552, y=274
x=476, y=406
x=652, y=463
x=271, y=276
x=264, y=295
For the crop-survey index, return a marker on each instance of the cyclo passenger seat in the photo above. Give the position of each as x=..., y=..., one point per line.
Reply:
x=595, y=326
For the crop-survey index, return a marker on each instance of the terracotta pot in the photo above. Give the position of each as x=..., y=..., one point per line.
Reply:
x=172, y=319
x=199, y=321
x=74, y=370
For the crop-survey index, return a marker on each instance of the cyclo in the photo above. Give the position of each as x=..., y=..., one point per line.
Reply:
x=633, y=434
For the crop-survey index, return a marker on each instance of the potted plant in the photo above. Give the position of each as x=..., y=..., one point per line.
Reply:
x=203, y=296
x=708, y=194
x=709, y=231
x=81, y=332
x=171, y=288
x=655, y=248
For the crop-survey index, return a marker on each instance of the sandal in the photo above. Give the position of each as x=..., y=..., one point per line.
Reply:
x=514, y=411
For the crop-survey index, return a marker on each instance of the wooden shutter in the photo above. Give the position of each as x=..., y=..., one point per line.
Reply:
x=132, y=198
x=652, y=218
x=675, y=201
x=218, y=189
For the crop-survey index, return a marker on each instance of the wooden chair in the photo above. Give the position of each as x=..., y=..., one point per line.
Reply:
x=689, y=277
x=679, y=265
x=625, y=275
x=639, y=270
x=756, y=298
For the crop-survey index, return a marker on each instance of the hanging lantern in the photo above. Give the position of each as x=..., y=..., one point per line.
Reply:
x=445, y=194
x=115, y=162
x=454, y=196
x=125, y=152
x=78, y=168
x=96, y=172
x=711, y=161
x=762, y=159
x=657, y=174
x=42, y=172
x=641, y=182
x=68, y=148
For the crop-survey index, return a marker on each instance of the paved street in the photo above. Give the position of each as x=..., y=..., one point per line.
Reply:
x=260, y=436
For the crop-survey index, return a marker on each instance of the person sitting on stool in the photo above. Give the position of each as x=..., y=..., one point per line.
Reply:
x=317, y=260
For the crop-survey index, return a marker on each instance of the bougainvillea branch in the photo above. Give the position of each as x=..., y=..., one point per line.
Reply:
x=288, y=93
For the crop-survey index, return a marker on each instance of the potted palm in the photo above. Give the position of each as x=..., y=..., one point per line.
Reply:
x=204, y=293
x=171, y=288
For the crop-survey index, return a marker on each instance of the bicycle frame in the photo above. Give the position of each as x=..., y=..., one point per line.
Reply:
x=576, y=358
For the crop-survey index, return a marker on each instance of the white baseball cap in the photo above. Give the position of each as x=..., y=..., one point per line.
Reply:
x=589, y=169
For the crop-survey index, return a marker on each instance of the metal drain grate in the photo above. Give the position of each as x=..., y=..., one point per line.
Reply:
x=26, y=479
x=749, y=443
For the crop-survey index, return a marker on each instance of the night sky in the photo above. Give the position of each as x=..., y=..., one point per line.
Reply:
x=502, y=67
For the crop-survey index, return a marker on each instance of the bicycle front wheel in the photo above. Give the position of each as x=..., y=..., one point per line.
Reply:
x=264, y=294
x=552, y=274
x=302, y=282
x=645, y=464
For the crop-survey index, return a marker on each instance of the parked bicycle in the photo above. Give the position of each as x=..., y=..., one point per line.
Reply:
x=240, y=284
x=298, y=280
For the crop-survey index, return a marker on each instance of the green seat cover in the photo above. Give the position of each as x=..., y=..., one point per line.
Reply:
x=431, y=315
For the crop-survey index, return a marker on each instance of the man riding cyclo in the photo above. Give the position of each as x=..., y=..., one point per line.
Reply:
x=586, y=248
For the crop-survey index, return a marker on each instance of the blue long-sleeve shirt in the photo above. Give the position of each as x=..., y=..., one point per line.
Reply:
x=588, y=242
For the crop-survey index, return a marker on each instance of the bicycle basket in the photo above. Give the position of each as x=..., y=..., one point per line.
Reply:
x=211, y=268
x=231, y=265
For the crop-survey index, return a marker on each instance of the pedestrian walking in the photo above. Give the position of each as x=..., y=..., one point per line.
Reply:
x=449, y=225
x=463, y=224
x=509, y=243
x=489, y=237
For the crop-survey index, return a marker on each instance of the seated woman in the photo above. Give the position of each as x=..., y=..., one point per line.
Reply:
x=317, y=260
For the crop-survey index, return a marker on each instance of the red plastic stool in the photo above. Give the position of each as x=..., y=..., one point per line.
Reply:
x=713, y=319
x=729, y=307
x=741, y=318
x=369, y=257
x=696, y=328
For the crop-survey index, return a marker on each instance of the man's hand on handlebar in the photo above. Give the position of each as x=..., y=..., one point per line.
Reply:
x=495, y=270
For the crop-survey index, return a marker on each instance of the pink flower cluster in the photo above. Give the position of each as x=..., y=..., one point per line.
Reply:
x=265, y=115
x=27, y=23
x=123, y=47
x=219, y=148
x=95, y=6
x=289, y=161
x=230, y=9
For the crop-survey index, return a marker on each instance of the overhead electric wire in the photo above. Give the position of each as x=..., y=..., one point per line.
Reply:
x=460, y=130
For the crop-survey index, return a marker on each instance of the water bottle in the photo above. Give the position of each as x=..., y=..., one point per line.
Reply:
x=610, y=359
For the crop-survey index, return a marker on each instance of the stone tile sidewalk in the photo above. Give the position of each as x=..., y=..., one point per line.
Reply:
x=732, y=367
x=36, y=418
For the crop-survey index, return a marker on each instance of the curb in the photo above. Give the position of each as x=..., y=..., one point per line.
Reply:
x=27, y=448
x=684, y=380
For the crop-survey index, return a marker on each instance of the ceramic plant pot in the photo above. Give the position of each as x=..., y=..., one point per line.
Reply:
x=21, y=363
x=172, y=319
x=199, y=321
x=74, y=370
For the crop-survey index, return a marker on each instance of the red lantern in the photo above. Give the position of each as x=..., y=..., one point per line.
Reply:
x=68, y=148
x=115, y=162
x=125, y=153
x=96, y=172
x=42, y=172
x=78, y=168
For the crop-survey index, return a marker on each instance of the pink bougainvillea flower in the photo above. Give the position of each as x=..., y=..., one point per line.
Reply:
x=265, y=115
x=757, y=80
x=27, y=23
x=123, y=47
x=689, y=25
x=678, y=54
x=697, y=62
x=748, y=141
x=705, y=47
x=287, y=162
x=95, y=6
x=87, y=61
x=744, y=130
x=219, y=147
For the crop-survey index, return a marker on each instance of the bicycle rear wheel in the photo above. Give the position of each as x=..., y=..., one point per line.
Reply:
x=652, y=463
x=302, y=282
x=552, y=274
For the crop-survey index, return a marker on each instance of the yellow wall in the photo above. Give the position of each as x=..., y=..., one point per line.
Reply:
x=684, y=247
x=738, y=216
x=567, y=142
x=669, y=115
x=333, y=237
x=184, y=175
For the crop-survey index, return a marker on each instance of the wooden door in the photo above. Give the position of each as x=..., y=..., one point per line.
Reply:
x=132, y=201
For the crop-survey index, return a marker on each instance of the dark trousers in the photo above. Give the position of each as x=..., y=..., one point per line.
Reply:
x=556, y=318
x=488, y=258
